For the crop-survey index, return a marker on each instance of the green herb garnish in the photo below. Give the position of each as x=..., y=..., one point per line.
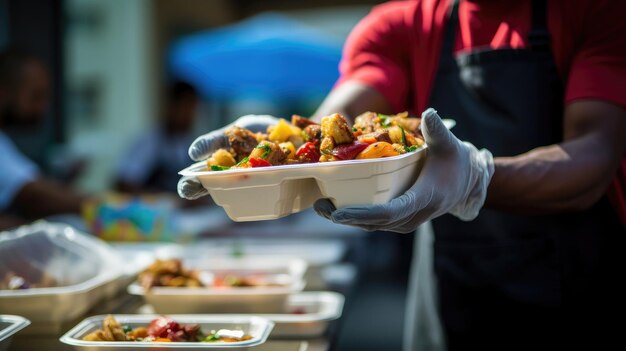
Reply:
x=354, y=129
x=219, y=168
x=385, y=120
x=403, y=137
x=266, y=148
x=211, y=338
x=127, y=328
x=411, y=148
x=243, y=160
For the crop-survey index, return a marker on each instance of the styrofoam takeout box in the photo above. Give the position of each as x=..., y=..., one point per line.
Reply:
x=85, y=268
x=252, y=194
x=317, y=309
x=271, y=299
x=9, y=325
x=257, y=327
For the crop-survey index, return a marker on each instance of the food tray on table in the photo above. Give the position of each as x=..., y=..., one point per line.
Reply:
x=308, y=315
x=256, y=327
x=227, y=299
x=52, y=273
x=9, y=325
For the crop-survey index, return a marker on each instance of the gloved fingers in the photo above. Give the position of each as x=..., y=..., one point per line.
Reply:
x=324, y=208
x=190, y=188
x=255, y=123
x=436, y=135
x=207, y=144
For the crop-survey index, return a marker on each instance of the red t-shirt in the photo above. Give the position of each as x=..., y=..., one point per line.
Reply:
x=395, y=49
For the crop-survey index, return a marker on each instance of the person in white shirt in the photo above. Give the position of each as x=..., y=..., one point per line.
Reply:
x=25, y=194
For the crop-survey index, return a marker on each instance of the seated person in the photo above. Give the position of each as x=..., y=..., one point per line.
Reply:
x=155, y=158
x=24, y=193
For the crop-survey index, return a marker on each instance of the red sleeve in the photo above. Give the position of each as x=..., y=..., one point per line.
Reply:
x=598, y=69
x=376, y=53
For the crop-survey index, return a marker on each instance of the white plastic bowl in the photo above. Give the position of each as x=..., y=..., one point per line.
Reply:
x=252, y=194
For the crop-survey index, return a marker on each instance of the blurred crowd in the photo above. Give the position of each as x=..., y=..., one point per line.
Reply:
x=150, y=165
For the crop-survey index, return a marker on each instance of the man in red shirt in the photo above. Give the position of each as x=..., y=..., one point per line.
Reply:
x=540, y=84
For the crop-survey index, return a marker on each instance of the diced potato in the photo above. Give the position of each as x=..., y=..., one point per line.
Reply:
x=221, y=157
x=377, y=150
x=289, y=149
x=336, y=127
x=282, y=131
x=327, y=145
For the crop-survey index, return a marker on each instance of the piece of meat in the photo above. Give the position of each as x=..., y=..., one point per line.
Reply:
x=336, y=127
x=314, y=131
x=270, y=152
x=301, y=122
x=242, y=141
x=367, y=122
x=379, y=135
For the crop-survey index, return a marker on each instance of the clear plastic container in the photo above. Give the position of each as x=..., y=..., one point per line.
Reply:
x=9, y=325
x=272, y=192
x=257, y=327
x=269, y=299
x=83, y=270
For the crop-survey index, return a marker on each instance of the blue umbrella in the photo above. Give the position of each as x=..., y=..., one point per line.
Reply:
x=269, y=54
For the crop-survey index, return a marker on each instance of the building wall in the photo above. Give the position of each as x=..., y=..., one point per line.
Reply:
x=109, y=82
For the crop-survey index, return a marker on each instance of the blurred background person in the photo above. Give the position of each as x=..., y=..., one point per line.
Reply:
x=24, y=96
x=152, y=162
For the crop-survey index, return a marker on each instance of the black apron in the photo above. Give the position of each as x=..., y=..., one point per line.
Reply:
x=513, y=281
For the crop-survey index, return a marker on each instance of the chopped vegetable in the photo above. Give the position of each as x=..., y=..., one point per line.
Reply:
x=377, y=150
x=308, y=152
x=219, y=168
x=258, y=162
x=349, y=151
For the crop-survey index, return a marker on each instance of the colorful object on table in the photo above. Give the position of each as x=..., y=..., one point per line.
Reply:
x=124, y=218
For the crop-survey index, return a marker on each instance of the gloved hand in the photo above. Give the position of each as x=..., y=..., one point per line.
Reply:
x=454, y=180
x=205, y=145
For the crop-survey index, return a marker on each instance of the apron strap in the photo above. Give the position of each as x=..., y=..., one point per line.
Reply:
x=538, y=37
x=447, y=50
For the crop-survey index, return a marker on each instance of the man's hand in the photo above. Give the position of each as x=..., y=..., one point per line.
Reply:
x=204, y=146
x=454, y=180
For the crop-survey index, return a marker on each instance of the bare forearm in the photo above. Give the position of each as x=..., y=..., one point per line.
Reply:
x=351, y=99
x=570, y=176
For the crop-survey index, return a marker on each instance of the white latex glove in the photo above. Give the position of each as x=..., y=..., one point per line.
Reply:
x=454, y=180
x=204, y=146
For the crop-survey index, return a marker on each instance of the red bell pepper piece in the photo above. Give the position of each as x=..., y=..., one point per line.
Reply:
x=308, y=152
x=258, y=162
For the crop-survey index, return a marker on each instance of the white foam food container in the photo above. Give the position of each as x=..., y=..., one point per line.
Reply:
x=85, y=270
x=9, y=325
x=308, y=315
x=265, y=193
x=257, y=327
x=269, y=299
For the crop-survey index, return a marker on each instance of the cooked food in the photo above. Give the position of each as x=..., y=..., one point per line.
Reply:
x=13, y=281
x=374, y=135
x=171, y=273
x=162, y=329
